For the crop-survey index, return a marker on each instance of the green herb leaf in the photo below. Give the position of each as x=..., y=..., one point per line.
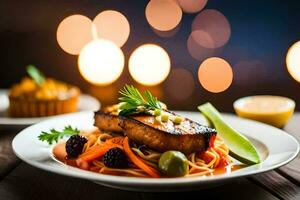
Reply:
x=126, y=112
x=153, y=103
x=132, y=99
x=54, y=135
x=35, y=74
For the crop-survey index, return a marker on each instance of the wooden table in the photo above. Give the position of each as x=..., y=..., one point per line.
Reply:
x=21, y=181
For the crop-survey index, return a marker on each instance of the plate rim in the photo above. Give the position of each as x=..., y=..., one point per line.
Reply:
x=26, y=121
x=137, y=181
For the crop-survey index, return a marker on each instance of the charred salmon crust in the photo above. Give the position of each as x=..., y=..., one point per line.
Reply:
x=187, y=137
x=107, y=121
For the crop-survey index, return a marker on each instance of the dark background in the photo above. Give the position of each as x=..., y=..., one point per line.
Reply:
x=262, y=32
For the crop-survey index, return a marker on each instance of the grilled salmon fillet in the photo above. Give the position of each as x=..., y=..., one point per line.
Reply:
x=107, y=121
x=187, y=137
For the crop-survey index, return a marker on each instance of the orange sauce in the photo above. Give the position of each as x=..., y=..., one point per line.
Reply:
x=227, y=169
x=59, y=152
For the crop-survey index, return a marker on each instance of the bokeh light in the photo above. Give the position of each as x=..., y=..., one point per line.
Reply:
x=180, y=84
x=73, y=33
x=166, y=34
x=101, y=62
x=163, y=15
x=214, y=24
x=112, y=25
x=293, y=61
x=149, y=64
x=192, y=6
x=215, y=74
x=198, y=45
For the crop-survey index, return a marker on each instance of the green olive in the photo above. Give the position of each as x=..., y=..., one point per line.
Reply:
x=173, y=163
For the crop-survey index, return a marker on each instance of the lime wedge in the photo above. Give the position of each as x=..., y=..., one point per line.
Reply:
x=240, y=147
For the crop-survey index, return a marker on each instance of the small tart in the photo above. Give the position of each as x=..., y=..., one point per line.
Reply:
x=27, y=99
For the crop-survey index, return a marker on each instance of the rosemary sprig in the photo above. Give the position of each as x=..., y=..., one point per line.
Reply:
x=54, y=135
x=35, y=74
x=133, y=102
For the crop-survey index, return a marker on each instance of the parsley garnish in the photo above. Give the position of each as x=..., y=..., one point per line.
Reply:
x=54, y=135
x=133, y=102
x=36, y=75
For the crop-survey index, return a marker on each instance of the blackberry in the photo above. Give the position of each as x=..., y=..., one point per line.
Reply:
x=75, y=145
x=115, y=158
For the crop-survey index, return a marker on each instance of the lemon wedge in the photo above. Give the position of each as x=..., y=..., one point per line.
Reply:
x=273, y=110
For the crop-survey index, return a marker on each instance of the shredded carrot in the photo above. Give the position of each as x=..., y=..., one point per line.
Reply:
x=205, y=156
x=95, y=169
x=212, y=141
x=96, y=152
x=137, y=161
x=223, y=162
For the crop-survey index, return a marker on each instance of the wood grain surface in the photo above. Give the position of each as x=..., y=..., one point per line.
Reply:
x=8, y=160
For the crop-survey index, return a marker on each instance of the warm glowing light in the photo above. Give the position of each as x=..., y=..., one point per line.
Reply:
x=293, y=61
x=215, y=24
x=112, y=25
x=192, y=6
x=163, y=15
x=180, y=84
x=215, y=74
x=198, y=45
x=149, y=64
x=166, y=34
x=101, y=62
x=203, y=38
x=73, y=33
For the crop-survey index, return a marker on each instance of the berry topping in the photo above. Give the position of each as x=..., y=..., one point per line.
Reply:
x=75, y=145
x=115, y=158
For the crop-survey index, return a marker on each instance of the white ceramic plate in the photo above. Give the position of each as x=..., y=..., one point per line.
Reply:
x=276, y=148
x=86, y=103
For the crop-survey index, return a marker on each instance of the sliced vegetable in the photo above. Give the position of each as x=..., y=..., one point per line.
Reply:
x=137, y=161
x=212, y=141
x=223, y=162
x=240, y=147
x=205, y=156
x=36, y=75
x=96, y=152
